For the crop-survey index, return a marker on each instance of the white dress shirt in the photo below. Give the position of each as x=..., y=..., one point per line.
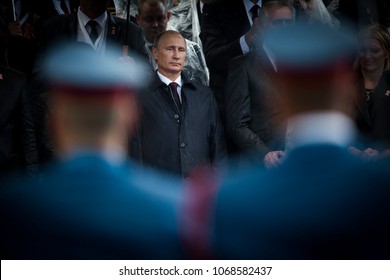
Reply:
x=83, y=31
x=167, y=81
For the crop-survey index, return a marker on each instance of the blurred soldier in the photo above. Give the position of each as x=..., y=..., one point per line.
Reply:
x=91, y=204
x=322, y=202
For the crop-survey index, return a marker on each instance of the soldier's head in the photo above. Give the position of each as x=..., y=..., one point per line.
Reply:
x=92, y=101
x=314, y=69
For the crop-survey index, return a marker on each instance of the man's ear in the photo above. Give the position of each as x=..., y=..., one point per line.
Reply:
x=137, y=18
x=168, y=15
x=154, y=52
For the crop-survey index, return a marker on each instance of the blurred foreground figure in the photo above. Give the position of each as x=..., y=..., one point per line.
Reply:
x=92, y=204
x=322, y=202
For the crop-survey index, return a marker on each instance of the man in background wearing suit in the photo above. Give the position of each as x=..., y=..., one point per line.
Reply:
x=92, y=203
x=228, y=30
x=93, y=25
x=253, y=116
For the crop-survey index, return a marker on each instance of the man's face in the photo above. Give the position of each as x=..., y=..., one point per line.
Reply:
x=278, y=17
x=170, y=54
x=152, y=18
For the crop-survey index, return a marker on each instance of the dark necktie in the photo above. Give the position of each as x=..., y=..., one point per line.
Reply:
x=93, y=34
x=64, y=7
x=255, y=11
x=175, y=94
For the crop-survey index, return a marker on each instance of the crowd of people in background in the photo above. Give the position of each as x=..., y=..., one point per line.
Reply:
x=198, y=118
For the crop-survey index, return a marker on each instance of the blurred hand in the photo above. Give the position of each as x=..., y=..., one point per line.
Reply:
x=370, y=154
x=15, y=29
x=367, y=154
x=127, y=61
x=273, y=159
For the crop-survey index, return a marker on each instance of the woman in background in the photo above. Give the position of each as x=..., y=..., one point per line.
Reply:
x=372, y=100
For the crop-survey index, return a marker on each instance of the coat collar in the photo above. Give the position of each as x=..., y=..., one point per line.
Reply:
x=156, y=82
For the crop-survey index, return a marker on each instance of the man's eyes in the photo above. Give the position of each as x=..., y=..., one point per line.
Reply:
x=171, y=49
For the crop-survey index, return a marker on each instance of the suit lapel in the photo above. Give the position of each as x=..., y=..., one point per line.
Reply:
x=265, y=67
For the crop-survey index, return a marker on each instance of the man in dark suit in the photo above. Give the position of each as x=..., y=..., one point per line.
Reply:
x=18, y=147
x=228, y=30
x=251, y=96
x=179, y=128
x=93, y=25
x=321, y=202
x=92, y=203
